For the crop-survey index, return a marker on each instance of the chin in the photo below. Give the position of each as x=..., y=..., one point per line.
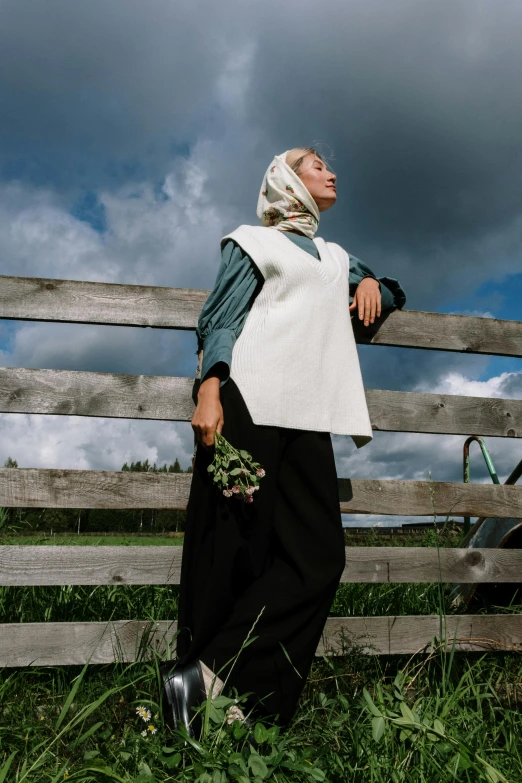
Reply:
x=327, y=203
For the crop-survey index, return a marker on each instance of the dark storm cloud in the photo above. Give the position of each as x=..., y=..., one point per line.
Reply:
x=102, y=102
x=101, y=89
x=419, y=100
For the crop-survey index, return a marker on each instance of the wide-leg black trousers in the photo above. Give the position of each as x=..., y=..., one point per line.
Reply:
x=281, y=556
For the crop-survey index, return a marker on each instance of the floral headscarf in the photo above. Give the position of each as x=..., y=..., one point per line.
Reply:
x=285, y=202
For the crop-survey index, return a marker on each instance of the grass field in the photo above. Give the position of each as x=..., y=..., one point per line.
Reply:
x=430, y=717
x=70, y=539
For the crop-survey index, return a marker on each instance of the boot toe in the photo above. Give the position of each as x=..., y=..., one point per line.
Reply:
x=183, y=690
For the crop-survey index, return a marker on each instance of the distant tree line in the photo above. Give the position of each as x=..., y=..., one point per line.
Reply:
x=99, y=520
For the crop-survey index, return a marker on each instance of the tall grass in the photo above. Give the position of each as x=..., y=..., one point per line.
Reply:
x=422, y=718
x=439, y=718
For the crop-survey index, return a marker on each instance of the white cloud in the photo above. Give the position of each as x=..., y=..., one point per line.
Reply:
x=457, y=383
x=86, y=443
x=168, y=236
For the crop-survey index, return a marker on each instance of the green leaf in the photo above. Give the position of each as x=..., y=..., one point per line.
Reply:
x=222, y=701
x=437, y=725
x=58, y=778
x=371, y=705
x=171, y=761
x=260, y=733
x=257, y=765
x=238, y=730
x=407, y=712
x=237, y=758
x=6, y=767
x=104, y=735
x=317, y=774
x=108, y=772
x=89, y=755
x=464, y=760
x=377, y=728
x=403, y=722
x=444, y=747
x=87, y=734
x=272, y=734
x=70, y=697
x=144, y=768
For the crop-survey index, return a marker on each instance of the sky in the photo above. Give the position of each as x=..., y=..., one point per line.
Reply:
x=134, y=135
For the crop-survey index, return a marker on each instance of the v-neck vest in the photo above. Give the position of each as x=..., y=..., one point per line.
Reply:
x=295, y=361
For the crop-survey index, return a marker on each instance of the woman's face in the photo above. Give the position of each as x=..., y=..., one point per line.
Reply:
x=319, y=180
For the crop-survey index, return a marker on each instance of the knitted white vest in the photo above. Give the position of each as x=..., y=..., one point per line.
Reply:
x=295, y=361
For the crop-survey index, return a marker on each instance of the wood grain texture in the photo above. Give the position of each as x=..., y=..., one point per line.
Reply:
x=76, y=301
x=55, y=488
x=62, y=644
x=74, y=393
x=161, y=565
x=43, y=299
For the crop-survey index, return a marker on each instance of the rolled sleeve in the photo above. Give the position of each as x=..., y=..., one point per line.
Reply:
x=217, y=347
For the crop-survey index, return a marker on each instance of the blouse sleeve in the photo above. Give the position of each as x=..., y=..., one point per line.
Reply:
x=392, y=294
x=222, y=317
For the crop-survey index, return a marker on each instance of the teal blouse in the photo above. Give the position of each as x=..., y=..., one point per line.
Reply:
x=237, y=284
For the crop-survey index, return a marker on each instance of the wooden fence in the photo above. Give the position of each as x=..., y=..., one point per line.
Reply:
x=147, y=397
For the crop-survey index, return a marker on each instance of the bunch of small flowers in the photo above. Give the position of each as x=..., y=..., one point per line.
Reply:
x=235, y=473
x=145, y=715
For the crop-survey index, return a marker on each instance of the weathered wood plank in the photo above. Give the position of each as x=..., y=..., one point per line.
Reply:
x=78, y=301
x=62, y=644
x=422, y=498
x=55, y=488
x=441, y=331
x=161, y=565
x=414, y=633
x=73, y=393
x=71, y=301
x=451, y=414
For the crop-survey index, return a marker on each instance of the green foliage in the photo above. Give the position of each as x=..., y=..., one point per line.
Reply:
x=97, y=520
x=367, y=719
x=360, y=719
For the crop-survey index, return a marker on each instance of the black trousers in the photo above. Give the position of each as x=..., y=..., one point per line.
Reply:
x=281, y=556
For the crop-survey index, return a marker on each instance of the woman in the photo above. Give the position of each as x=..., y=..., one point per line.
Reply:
x=280, y=373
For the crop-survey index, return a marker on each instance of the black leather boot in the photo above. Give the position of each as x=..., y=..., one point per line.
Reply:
x=183, y=689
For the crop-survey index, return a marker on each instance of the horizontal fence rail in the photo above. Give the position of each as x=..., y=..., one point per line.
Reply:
x=71, y=301
x=60, y=644
x=115, y=395
x=55, y=488
x=62, y=392
x=161, y=565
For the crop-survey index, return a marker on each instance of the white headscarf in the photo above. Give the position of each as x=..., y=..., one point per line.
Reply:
x=285, y=202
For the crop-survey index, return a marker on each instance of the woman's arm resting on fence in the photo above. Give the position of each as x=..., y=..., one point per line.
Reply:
x=392, y=294
x=224, y=313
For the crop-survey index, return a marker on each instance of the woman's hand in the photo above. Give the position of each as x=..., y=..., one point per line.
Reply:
x=208, y=416
x=367, y=298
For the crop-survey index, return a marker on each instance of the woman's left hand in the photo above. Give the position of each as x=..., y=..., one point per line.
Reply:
x=367, y=298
